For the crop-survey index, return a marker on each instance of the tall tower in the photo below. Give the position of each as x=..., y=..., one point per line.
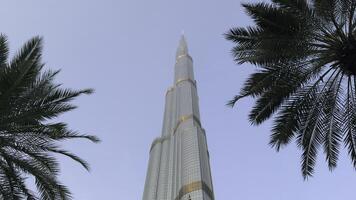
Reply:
x=179, y=166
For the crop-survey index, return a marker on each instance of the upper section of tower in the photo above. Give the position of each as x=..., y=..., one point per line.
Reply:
x=182, y=49
x=184, y=63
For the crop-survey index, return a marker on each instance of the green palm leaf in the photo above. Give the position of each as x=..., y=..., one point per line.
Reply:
x=28, y=98
x=305, y=51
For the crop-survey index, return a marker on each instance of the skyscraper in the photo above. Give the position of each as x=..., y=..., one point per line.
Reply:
x=179, y=166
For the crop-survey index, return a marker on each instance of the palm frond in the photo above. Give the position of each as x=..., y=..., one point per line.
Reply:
x=4, y=52
x=28, y=98
x=305, y=54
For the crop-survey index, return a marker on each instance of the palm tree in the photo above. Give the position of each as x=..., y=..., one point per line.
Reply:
x=305, y=53
x=28, y=143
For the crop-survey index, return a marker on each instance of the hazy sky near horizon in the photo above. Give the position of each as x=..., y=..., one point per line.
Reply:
x=125, y=50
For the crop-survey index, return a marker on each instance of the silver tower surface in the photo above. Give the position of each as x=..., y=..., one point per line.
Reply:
x=179, y=166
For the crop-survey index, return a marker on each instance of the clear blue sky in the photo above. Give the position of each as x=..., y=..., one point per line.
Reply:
x=125, y=50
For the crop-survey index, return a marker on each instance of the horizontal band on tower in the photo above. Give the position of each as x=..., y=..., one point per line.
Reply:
x=189, y=80
x=191, y=187
x=158, y=140
x=185, y=118
x=180, y=121
x=170, y=89
x=182, y=56
x=180, y=81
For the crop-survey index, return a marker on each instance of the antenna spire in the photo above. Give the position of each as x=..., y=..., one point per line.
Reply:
x=183, y=46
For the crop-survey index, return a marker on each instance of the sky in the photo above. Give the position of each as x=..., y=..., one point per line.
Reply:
x=125, y=50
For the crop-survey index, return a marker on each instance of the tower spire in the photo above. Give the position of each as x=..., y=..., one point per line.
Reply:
x=182, y=47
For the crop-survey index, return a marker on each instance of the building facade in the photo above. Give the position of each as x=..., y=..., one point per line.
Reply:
x=179, y=167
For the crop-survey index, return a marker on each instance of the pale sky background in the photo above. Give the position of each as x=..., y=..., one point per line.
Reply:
x=125, y=50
